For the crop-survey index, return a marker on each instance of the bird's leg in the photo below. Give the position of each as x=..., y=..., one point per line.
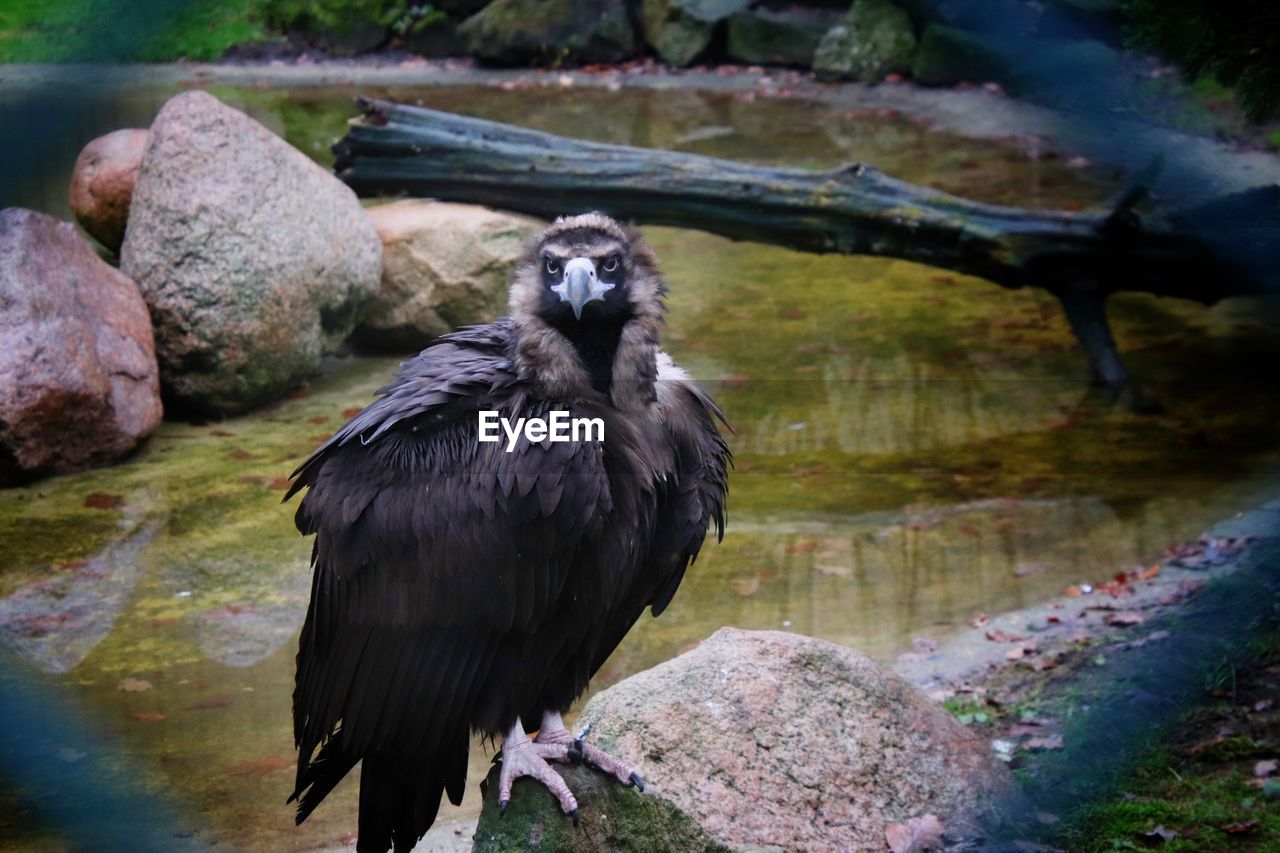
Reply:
x=553, y=736
x=521, y=758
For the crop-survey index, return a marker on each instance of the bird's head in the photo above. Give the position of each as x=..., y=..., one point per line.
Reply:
x=586, y=269
x=585, y=277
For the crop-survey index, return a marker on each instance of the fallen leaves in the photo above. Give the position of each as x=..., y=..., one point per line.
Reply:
x=746, y=586
x=134, y=685
x=1263, y=769
x=918, y=833
x=102, y=500
x=1160, y=834
x=1125, y=618
x=1206, y=552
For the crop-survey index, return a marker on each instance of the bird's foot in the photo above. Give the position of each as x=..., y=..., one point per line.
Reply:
x=522, y=757
x=556, y=743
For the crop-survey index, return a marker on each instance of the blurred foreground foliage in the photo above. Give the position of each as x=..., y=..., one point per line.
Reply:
x=1236, y=42
x=146, y=31
x=195, y=30
x=400, y=17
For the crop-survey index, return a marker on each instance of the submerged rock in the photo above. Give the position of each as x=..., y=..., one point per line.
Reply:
x=102, y=184
x=768, y=738
x=443, y=266
x=254, y=260
x=612, y=818
x=548, y=32
x=874, y=39
x=78, y=380
x=767, y=36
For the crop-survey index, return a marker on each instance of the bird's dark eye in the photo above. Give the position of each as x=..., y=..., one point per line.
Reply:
x=553, y=266
x=610, y=263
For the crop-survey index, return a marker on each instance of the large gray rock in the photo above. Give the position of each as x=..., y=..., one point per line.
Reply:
x=443, y=266
x=874, y=39
x=765, y=36
x=549, y=32
x=254, y=260
x=102, y=184
x=768, y=738
x=680, y=30
x=78, y=380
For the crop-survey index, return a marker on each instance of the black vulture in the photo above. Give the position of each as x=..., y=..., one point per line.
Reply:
x=463, y=585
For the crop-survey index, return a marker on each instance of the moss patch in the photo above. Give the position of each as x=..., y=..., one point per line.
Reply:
x=613, y=818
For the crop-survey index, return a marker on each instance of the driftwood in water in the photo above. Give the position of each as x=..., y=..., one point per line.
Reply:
x=1080, y=257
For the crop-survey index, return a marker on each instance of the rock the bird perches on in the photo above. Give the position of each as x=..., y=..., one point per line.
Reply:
x=1205, y=253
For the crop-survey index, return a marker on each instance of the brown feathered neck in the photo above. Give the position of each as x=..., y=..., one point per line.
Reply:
x=548, y=360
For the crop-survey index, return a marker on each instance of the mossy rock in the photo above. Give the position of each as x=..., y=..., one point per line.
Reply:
x=1060, y=66
x=549, y=32
x=948, y=55
x=874, y=39
x=613, y=818
x=777, y=36
x=680, y=31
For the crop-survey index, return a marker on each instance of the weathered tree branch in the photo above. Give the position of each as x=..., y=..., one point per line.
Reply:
x=1080, y=257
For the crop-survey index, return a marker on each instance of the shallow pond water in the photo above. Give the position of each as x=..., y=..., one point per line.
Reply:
x=912, y=447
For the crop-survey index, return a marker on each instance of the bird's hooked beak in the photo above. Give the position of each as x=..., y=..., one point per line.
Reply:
x=580, y=285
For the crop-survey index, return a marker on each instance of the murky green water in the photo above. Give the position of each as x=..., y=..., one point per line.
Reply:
x=912, y=447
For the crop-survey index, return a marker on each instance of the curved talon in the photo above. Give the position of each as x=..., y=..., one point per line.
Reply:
x=637, y=781
x=502, y=807
x=522, y=758
x=574, y=814
x=577, y=751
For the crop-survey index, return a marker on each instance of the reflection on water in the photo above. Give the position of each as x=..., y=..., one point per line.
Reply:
x=912, y=447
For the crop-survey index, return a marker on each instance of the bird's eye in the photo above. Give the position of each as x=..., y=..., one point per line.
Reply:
x=610, y=263
x=553, y=266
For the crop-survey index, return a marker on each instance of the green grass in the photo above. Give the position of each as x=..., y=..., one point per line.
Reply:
x=1208, y=810
x=1200, y=783
x=149, y=30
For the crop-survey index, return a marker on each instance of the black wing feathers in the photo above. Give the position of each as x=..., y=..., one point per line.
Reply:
x=442, y=563
x=695, y=496
x=429, y=547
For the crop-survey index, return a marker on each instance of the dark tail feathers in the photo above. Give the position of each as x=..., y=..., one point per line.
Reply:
x=396, y=807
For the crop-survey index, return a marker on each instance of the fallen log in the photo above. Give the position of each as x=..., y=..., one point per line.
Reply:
x=1081, y=257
